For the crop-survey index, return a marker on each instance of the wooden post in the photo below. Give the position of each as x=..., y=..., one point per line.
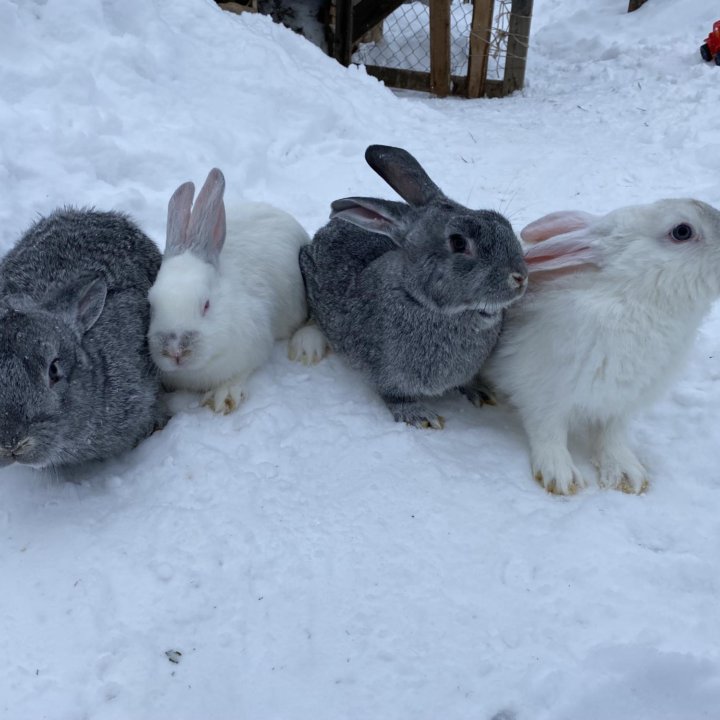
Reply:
x=342, y=39
x=440, y=47
x=517, y=47
x=480, y=34
x=635, y=4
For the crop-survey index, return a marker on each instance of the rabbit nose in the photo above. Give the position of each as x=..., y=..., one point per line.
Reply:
x=176, y=353
x=21, y=447
x=179, y=347
x=14, y=446
x=517, y=280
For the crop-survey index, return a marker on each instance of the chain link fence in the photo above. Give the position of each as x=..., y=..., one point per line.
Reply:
x=403, y=39
x=497, y=53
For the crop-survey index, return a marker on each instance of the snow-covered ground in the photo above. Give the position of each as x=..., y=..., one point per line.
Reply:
x=311, y=559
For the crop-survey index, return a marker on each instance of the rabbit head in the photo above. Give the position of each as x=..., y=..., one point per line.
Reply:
x=454, y=259
x=45, y=371
x=670, y=248
x=182, y=299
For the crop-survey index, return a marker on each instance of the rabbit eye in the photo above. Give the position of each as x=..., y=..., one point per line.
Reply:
x=682, y=232
x=458, y=244
x=54, y=372
x=206, y=307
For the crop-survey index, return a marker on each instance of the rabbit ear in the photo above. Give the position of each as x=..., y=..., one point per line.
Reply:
x=90, y=303
x=572, y=250
x=82, y=300
x=557, y=223
x=399, y=169
x=206, y=229
x=562, y=241
x=178, y=218
x=379, y=216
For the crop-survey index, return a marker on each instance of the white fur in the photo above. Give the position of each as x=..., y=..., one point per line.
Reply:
x=308, y=345
x=256, y=297
x=586, y=349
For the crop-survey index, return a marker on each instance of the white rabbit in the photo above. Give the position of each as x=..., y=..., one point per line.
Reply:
x=612, y=309
x=222, y=298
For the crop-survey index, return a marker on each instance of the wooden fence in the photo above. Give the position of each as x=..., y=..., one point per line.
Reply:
x=355, y=18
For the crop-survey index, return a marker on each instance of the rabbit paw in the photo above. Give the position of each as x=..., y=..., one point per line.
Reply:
x=478, y=394
x=415, y=414
x=556, y=472
x=224, y=399
x=308, y=345
x=622, y=471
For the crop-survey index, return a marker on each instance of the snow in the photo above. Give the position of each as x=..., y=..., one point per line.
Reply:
x=308, y=557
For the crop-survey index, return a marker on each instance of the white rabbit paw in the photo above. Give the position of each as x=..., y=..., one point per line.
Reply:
x=415, y=414
x=308, y=345
x=622, y=471
x=556, y=472
x=225, y=399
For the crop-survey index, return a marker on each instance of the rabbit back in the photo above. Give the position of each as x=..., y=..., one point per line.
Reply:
x=72, y=241
x=333, y=267
x=260, y=261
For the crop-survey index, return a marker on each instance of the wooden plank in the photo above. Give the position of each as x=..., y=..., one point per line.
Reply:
x=420, y=81
x=238, y=8
x=493, y=88
x=368, y=13
x=635, y=4
x=342, y=39
x=440, y=47
x=480, y=33
x=517, y=47
x=403, y=79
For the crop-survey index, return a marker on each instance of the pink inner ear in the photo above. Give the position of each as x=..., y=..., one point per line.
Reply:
x=178, y=218
x=206, y=229
x=361, y=212
x=572, y=250
x=557, y=223
x=554, y=256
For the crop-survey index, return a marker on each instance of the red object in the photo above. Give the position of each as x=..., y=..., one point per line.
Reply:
x=710, y=49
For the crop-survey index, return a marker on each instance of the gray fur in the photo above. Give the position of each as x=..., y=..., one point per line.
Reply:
x=74, y=290
x=388, y=292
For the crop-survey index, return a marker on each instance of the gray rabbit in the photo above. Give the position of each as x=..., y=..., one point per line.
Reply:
x=412, y=294
x=78, y=383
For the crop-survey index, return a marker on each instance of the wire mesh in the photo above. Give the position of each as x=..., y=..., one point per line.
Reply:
x=403, y=39
x=461, y=14
x=497, y=52
x=403, y=42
